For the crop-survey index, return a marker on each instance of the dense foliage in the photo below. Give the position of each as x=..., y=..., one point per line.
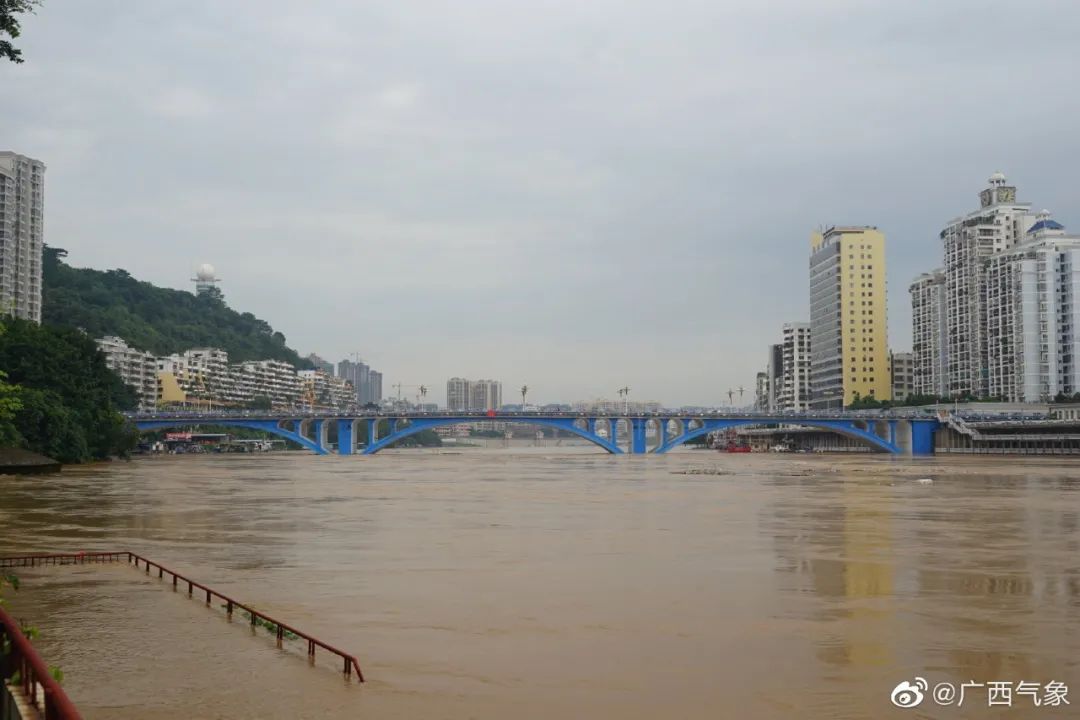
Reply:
x=9, y=25
x=59, y=399
x=160, y=320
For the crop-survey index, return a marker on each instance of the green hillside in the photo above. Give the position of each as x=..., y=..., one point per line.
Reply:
x=148, y=317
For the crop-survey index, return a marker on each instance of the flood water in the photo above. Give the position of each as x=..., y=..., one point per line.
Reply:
x=557, y=582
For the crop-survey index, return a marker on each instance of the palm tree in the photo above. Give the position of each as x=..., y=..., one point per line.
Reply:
x=524, y=391
x=731, y=396
x=423, y=394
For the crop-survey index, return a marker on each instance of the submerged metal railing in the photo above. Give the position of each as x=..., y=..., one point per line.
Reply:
x=349, y=662
x=26, y=678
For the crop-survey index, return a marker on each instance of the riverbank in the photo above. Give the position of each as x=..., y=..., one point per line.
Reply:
x=16, y=461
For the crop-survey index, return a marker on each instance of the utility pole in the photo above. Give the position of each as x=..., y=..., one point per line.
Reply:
x=741, y=391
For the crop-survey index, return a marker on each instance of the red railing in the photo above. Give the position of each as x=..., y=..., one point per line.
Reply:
x=18, y=656
x=349, y=662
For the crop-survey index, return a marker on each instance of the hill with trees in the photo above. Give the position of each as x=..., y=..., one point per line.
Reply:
x=57, y=396
x=159, y=320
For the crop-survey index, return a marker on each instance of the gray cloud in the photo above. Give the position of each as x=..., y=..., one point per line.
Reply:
x=573, y=195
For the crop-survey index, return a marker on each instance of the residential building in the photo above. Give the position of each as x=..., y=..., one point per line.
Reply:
x=998, y=225
x=323, y=391
x=902, y=369
x=485, y=395
x=1032, y=301
x=464, y=394
x=458, y=394
x=775, y=374
x=374, y=390
x=22, y=216
x=795, y=367
x=367, y=383
x=848, y=331
x=930, y=348
x=136, y=368
x=274, y=379
x=761, y=391
x=202, y=374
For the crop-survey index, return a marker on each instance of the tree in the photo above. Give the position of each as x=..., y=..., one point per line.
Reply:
x=10, y=404
x=9, y=25
x=159, y=320
x=69, y=397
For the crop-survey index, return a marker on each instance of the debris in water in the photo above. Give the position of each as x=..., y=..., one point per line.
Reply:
x=925, y=481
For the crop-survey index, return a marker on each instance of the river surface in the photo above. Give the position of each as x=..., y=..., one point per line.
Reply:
x=557, y=583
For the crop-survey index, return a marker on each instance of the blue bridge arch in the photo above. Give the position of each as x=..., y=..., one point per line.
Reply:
x=884, y=433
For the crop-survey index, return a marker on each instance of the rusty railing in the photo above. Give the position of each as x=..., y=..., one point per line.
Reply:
x=349, y=662
x=39, y=688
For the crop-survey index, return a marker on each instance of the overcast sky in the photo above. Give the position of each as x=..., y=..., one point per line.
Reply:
x=577, y=195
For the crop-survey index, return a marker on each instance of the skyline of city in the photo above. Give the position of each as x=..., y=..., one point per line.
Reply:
x=548, y=227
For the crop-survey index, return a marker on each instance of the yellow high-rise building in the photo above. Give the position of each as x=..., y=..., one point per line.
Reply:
x=849, y=345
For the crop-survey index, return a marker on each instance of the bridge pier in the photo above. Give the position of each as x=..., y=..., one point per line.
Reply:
x=346, y=436
x=638, y=445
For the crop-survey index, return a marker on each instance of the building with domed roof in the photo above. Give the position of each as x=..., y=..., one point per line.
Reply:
x=999, y=224
x=998, y=319
x=206, y=280
x=1032, y=310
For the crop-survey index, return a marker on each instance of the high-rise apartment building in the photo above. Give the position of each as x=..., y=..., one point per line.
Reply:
x=462, y=394
x=374, y=392
x=848, y=330
x=485, y=395
x=22, y=216
x=930, y=354
x=458, y=394
x=366, y=382
x=998, y=225
x=902, y=367
x=795, y=364
x=775, y=375
x=761, y=391
x=1032, y=310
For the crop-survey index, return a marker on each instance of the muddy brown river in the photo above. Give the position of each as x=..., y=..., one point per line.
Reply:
x=559, y=583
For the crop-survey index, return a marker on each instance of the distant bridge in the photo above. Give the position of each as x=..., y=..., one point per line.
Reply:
x=901, y=434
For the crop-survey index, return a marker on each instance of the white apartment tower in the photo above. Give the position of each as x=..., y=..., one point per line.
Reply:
x=999, y=224
x=136, y=368
x=458, y=393
x=1032, y=310
x=930, y=356
x=22, y=214
x=485, y=395
x=795, y=362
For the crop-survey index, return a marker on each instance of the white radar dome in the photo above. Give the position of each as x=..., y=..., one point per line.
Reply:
x=205, y=272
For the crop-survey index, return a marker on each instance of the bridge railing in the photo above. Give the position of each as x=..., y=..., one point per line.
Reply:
x=349, y=662
x=28, y=675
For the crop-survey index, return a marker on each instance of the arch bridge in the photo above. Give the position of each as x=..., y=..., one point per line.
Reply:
x=654, y=433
